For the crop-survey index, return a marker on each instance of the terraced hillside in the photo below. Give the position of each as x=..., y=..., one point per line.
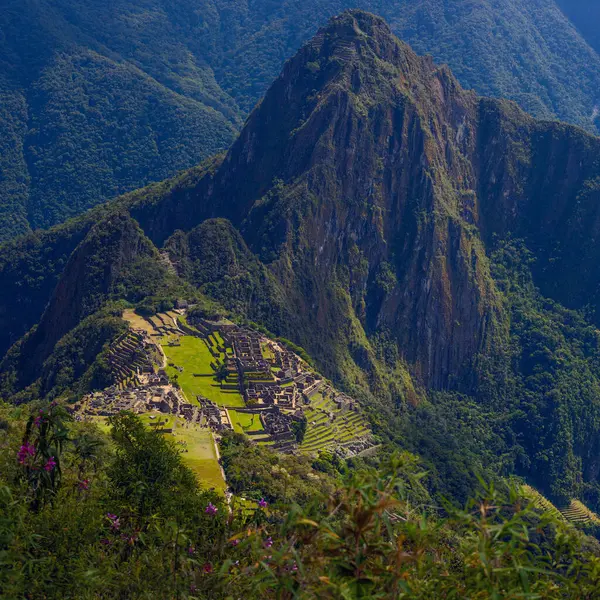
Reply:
x=578, y=513
x=129, y=357
x=541, y=502
x=329, y=427
x=195, y=351
x=575, y=512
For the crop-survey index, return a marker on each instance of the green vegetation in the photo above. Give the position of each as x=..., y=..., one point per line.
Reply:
x=486, y=375
x=323, y=432
x=85, y=117
x=196, y=445
x=124, y=517
x=97, y=100
x=244, y=422
x=200, y=455
x=198, y=377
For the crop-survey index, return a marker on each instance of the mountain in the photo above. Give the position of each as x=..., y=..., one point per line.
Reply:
x=433, y=251
x=100, y=98
x=525, y=51
x=89, y=111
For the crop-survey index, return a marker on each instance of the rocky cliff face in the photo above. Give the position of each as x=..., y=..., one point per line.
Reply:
x=372, y=186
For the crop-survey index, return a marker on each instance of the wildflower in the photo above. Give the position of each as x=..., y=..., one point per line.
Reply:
x=235, y=542
x=115, y=522
x=105, y=542
x=49, y=466
x=207, y=568
x=53, y=404
x=191, y=550
x=193, y=589
x=38, y=421
x=268, y=542
x=25, y=450
x=211, y=509
x=84, y=485
x=263, y=503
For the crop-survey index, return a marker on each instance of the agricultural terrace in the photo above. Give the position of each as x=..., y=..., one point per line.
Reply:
x=328, y=426
x=189, y=363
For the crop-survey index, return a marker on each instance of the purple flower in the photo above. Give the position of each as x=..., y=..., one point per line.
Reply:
x=235, y=542
x=263, y=503
x=105, y=542
x=191, y=550
x=115, y=522
x=49, y=466
x=268, y=542
x=193, y=589
x=84, y=485
x=207, y=568
x=211, y=509
x=25, y=450
x=38, y=421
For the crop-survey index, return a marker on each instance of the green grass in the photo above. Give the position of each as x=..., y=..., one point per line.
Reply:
x=267, y=352
x=243, y=422
x=195, y=358
x=166, y=421
x=201, y=457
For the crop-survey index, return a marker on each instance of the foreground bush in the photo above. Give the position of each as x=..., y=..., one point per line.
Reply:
x=126, y=519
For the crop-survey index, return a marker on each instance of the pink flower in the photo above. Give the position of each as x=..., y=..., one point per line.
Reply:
x=25, y=450
x=211, y=509
x=84, y=485
x=207, y=568
x=263, y=503
x=38, y=421
x=235, y=542
x=268, y=542
x=49, y=466
x=115, y=522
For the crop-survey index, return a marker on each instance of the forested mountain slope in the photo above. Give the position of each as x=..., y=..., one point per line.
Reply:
x=99, y=98
x=83, y=120
x=416, y=239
